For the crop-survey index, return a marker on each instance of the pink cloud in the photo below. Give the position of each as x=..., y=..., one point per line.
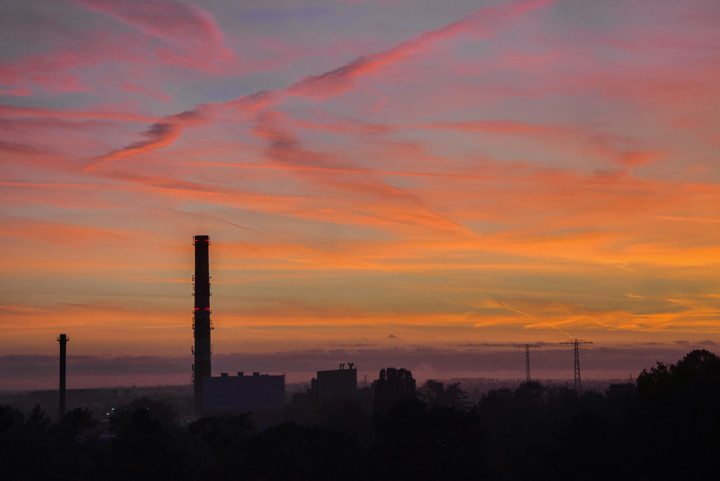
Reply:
x=19, y=91
x=60, y=234
x=160, y=134
x=191, y=38
x=191, y=35
x=10, y=111
x=589, y=141
x=495, y=126
x=63, y=68
x=482, y=22
x=382, y=202
x=337, y=81
x=135, y=88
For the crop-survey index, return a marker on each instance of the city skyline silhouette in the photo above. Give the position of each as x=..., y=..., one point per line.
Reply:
x=391, y=183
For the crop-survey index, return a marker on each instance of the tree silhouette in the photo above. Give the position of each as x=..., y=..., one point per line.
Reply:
x=38, y=421
x=308, y=453
x=679, y=414
x=226, y=437
x=76, y=421
x=436, y=393
x=393, y=385
x=148, y=443
x=418, y=443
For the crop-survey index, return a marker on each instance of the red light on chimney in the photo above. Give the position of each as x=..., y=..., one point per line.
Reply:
x=207, y=308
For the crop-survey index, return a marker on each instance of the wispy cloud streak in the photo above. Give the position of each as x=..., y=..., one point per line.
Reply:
x=334, y=82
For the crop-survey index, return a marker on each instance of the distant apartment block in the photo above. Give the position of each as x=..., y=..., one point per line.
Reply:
x=336, y=383
x=243, y=393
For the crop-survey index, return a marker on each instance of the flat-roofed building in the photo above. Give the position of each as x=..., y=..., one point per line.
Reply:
x=336, y=383
x=244, y=393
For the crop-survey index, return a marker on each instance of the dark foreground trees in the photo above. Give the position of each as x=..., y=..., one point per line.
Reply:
x=666, y=427
x=678, y=417
x=33, y=448
x=417, y=442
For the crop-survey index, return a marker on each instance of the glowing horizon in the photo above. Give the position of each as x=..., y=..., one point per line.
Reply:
x=388, y=175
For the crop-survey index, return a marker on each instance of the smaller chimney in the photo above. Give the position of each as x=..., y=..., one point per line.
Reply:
x=63, y=340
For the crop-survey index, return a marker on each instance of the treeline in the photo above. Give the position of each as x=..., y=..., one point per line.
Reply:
x=666, y=426
x=100, y=400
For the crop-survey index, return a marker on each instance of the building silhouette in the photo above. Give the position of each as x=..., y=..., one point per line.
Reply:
x=261, y=395
x=243, y=393
x=335, y=383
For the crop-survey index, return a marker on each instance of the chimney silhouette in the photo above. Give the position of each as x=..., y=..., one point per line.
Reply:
x=63, y=340
x=201, y=323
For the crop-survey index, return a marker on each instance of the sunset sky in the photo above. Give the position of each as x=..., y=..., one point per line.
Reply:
x=407, y=183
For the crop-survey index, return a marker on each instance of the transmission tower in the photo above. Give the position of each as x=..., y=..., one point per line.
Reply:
x=527, y=359
x=576, y=344
x=527, y=362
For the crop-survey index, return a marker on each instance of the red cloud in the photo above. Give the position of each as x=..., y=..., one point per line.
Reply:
x=334, y=82
x=191, y=35
x=10, y=111
x=190, y=38
x=160, y=134
x=482, y=22
x=60, y=70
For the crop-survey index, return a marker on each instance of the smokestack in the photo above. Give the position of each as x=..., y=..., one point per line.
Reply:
x=202, y=324
x=63, y=340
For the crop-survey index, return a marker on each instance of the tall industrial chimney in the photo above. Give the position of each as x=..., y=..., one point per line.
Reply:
x=201, y=324
x=63, y=340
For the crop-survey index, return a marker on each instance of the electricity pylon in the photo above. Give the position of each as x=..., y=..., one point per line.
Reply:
x=576, y=343
x=527, y=359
